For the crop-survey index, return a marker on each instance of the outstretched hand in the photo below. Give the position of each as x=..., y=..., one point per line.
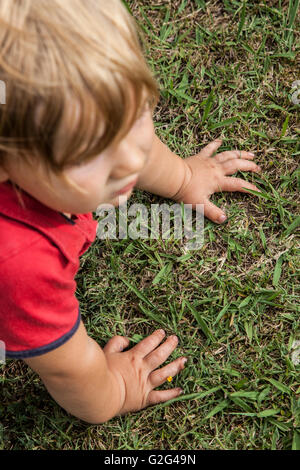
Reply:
x=206, y=175
x=138, y=372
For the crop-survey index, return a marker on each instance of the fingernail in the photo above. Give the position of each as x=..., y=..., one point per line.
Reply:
x=180, y=391
x=222, y=218
x=184, y=360
x=161, y=331
x=252, y=154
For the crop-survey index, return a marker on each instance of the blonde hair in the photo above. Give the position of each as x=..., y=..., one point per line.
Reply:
x=55, y=53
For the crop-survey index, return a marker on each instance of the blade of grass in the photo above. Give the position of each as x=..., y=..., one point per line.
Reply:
x=221, y=313
x=285, y=126
x=266, y=413
x=296, y=441
x=138, y=293
x=184, y=96
x=201, y=322
x=293, y=7
x=192, y=396
x=153, y=316
x=242, y=20
x=221, y=406
x=277, y=271
x=249, y=395
x=242, y=404
x=283, y=388
x=164, y=272
x=225, y=123
x=295, y=224
x=208, y=106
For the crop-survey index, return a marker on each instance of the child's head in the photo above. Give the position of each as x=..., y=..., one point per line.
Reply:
x=76, y=84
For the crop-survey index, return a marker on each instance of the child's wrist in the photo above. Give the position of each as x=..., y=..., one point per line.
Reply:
x=187, y=175
x=118, y=391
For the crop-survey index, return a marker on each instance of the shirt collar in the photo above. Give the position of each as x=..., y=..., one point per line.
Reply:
x=68, y=235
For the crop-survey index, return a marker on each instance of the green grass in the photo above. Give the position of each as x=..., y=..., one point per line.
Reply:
x=225, y=68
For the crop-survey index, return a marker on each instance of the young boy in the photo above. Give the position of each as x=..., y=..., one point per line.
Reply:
x=76, y=132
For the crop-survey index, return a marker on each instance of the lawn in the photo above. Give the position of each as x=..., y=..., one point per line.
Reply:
x=225, y=68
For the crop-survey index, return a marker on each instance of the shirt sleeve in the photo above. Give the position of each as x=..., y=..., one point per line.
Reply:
x=38, y=308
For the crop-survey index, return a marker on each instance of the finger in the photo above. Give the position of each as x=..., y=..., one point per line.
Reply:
x=237, y=184
x=214, y=213
x=158, y=357
x=233, y=165
x=116, y=344
x=160, y=396
x=211, y=148
x=233, y=154
x=159, y=376
x=150, y=343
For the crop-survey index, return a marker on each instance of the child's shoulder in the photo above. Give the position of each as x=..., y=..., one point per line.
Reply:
x=15, y=237
x=17, y=231
x=32, y=261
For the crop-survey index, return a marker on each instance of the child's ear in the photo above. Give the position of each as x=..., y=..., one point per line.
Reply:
x=3, y=175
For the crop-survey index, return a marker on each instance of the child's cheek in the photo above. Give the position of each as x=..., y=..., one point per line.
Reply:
x=97, y=170
x=144, y=133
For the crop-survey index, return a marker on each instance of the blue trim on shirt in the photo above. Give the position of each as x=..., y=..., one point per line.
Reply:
x=48, y=347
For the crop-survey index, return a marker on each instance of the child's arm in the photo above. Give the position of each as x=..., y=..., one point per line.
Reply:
x=95, y=385
x=194, y=179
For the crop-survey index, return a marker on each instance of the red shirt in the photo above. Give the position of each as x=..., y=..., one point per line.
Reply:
x=39, y=258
